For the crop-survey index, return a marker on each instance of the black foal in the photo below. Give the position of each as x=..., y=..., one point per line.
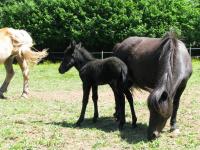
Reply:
x=94, y=72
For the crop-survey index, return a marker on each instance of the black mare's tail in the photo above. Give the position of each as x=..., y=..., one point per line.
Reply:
x=161, y=97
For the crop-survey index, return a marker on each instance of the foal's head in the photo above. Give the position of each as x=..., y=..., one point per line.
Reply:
x=69, y=59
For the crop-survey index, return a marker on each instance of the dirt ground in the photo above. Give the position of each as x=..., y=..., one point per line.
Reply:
x=74, y=95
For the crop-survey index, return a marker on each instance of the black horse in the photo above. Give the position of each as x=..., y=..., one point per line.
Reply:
x=94, y=72
x=161, y=66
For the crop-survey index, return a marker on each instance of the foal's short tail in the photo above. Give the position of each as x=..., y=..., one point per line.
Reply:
x=34, y=57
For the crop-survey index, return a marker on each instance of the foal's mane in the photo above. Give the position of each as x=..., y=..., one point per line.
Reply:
x=87, y=55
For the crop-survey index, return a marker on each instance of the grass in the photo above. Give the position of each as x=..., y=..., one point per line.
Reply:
x=46, y=120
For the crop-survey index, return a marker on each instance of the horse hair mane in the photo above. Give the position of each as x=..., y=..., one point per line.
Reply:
x=87, y=55
x=168, y=48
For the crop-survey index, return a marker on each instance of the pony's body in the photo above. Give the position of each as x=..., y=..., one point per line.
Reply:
x=161, y=66
x=17, y=44
x=5, y=45
x=94, y=72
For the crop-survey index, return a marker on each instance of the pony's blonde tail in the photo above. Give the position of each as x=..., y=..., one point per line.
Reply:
x=34, y=57
x=22, y=43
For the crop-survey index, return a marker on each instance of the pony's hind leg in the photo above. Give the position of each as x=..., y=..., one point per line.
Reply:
x=95, y=99
x=86, y=92
x=130, y=100
x=25, y=71
x=9, y=76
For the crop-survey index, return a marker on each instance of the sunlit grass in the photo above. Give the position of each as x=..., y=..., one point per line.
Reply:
x=46, y=120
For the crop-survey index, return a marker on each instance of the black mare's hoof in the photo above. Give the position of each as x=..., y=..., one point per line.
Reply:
x=173, y=128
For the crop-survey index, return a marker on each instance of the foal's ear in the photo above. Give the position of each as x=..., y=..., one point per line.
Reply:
x=78, y=46
x=73, y=43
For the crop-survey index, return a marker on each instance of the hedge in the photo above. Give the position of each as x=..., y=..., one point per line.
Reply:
x=99, y=24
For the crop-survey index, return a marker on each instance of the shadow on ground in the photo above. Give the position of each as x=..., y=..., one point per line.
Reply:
x=107, y=124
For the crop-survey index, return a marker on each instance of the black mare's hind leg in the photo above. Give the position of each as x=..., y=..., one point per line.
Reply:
x=95, y=99
x=86, y=92
x=176, y=105
x=9, y=76
x=130, y=100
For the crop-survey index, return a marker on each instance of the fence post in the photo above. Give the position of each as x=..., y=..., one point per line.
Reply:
x=102, y=54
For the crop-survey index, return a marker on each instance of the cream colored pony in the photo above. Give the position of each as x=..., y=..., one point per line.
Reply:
x=17, y=44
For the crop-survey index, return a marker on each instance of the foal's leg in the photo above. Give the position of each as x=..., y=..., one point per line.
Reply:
x=86, y=92
x=9, y=75
x=176, y=105
x=130, y=100
x=25, y=71
x=95, y=99
x=116, y=114
x=121, y=110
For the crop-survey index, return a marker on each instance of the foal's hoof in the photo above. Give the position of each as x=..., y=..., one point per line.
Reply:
x=24, y=95
x=134, y=125
x=78, y=123
x=2, y=97
x=116, y=116
x=94, y=120
x=121, y=125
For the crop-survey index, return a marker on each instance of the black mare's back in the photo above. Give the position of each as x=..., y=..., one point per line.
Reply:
x=104, y=71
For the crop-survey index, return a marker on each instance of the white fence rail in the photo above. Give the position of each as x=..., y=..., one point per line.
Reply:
x=102, y=53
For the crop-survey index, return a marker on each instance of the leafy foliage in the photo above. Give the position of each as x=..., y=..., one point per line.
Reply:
x=100, y=24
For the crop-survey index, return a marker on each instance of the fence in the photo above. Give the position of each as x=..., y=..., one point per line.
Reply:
x=194, y=52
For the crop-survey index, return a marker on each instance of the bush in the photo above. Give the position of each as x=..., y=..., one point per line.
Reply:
x=100, y=24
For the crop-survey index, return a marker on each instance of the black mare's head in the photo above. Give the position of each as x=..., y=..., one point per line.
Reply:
x=160, y=107
x=69, y=59
x=160, y=101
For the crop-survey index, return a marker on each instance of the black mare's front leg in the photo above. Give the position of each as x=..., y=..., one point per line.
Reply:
x=86, y=92
x=95, y=99
x=176, y=105
x=130, y=100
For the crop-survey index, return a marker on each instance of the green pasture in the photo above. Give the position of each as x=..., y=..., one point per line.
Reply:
x=46, y=120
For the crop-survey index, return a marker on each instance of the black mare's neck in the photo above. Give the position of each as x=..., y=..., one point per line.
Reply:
x=82, y=57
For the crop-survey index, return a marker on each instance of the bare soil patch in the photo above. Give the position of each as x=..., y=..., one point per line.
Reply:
x=104, y=93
